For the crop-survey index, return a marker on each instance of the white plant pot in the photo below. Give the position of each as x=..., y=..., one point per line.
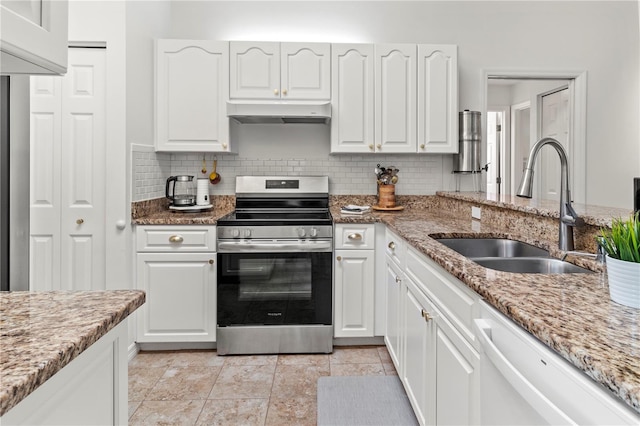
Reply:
x=624, y=282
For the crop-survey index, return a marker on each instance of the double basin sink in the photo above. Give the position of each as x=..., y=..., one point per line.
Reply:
x=510, y=256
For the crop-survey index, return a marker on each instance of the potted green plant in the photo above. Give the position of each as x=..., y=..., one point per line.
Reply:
x=622, y=246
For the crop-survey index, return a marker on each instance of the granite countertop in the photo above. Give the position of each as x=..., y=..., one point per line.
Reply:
x=172, y=217
x=41, y=332
x=570, y=313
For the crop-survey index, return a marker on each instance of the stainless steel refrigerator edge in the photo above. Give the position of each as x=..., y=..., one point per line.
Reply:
x=14, y=183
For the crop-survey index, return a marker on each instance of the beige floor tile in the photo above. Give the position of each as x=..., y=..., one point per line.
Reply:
x=142, y=380
x=243, y=381
x=297, y=380
x=320, y=360
x=153, y=359
x=295, y=411
x=246, y=412
x=167, y=413
x=133, y=406
x=357, y=355
x=184, y=383
x=250, y=359
x=357, y=370
x=384, y=354
x=200, y=358
x=389, y=369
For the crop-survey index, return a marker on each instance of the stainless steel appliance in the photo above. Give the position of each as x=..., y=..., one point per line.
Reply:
x=275, y=273
x=467, y=160
x=14, y=183
x=180, y=190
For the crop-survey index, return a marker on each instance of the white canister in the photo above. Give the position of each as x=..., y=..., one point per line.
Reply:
x=202, y=192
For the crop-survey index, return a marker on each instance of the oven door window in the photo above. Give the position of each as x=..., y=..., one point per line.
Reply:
x=274, y=288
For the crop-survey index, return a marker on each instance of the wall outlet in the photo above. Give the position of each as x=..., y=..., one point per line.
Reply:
x=475, y=212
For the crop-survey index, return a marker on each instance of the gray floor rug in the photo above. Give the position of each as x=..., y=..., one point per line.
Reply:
x=363, y=400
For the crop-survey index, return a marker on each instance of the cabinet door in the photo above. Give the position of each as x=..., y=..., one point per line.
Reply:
x=438, y=99
x=34, y=37
x=352, y=88
x=394, y=290
x=254, y=70
x=419, y=370
x=305, y=70
x=457, y=377
x=181, y=297
x=354, y=285
x=395, y=101
x=191, y=95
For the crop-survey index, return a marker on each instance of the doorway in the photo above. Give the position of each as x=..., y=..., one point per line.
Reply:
x=531, y=107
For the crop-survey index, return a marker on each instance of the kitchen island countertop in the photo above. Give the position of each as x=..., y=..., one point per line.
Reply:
x=42, y=332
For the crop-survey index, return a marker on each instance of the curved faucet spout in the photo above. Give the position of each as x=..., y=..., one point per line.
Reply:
x=568, y=216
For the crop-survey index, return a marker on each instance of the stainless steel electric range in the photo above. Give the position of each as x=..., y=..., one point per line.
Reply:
x=275, y=268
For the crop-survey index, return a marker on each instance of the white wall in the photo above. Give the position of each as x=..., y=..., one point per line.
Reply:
x=600, y=37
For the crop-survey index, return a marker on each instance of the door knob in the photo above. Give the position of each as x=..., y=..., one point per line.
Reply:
x=80, y=221
x=121, y=224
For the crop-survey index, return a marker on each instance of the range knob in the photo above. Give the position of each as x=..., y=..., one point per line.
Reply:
x=314, y=232
x=247, y=233
x=235, y=232
x=301, y=232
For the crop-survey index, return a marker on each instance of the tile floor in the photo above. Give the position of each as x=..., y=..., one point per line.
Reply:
x=201, y=388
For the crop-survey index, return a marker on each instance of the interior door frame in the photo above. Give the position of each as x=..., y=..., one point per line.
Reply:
x=577, y=121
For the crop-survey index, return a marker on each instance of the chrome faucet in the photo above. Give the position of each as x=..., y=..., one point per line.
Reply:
x=568, y=216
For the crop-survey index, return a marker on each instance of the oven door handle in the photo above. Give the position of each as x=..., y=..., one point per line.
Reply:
x=273, y=247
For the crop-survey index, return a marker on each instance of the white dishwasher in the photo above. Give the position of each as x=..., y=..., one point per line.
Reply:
x=522, y=382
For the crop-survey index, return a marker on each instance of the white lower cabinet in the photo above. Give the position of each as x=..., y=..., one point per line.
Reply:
x=394, y=299
x=177, y=270
x=354, y=283
x=90, y=390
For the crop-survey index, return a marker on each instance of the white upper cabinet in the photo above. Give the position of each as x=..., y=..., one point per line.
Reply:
x=34, y=37
x=394, y=98
x=352, y=95
x=438, y=99
x=395, y=101
x=192, y=78
x=286, y=71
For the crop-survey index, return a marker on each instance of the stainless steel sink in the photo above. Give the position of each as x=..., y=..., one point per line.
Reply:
x=530, y=265
x=492, y=247
x=510, y=256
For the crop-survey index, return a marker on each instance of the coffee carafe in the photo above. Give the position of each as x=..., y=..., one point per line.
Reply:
x=182, y=193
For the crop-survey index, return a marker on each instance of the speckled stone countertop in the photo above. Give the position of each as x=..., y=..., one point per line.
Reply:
x=41, y=332
x=570, y=313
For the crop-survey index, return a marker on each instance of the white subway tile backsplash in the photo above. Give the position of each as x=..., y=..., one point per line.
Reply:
x=348, y=174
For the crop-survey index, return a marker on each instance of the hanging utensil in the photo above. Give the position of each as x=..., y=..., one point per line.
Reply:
x=214, y=177
x=204, y=166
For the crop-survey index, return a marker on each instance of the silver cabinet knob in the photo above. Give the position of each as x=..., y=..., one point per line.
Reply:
x=392, y=245
x=276, y=92
x=284, y=92
x=79, y=221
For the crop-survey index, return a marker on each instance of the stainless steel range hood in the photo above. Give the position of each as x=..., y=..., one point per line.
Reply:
x=253, y=112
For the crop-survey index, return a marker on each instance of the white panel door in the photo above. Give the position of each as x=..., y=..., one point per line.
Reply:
x=395, y=290
x=254, y=70
x=438, y=99
x=68, y=223
x=45, y=183
x=555, y=124
x=352, y=121
x=395, y=101
x=305, y=70
x=354, y=298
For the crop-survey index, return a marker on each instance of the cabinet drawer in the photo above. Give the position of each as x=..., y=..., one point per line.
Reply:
x=175, y=238
x=355, y=236
x=458, y=302
x=395, y=248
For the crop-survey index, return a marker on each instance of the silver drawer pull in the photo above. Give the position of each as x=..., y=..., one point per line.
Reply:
x=176, y=239
x=355, y=237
